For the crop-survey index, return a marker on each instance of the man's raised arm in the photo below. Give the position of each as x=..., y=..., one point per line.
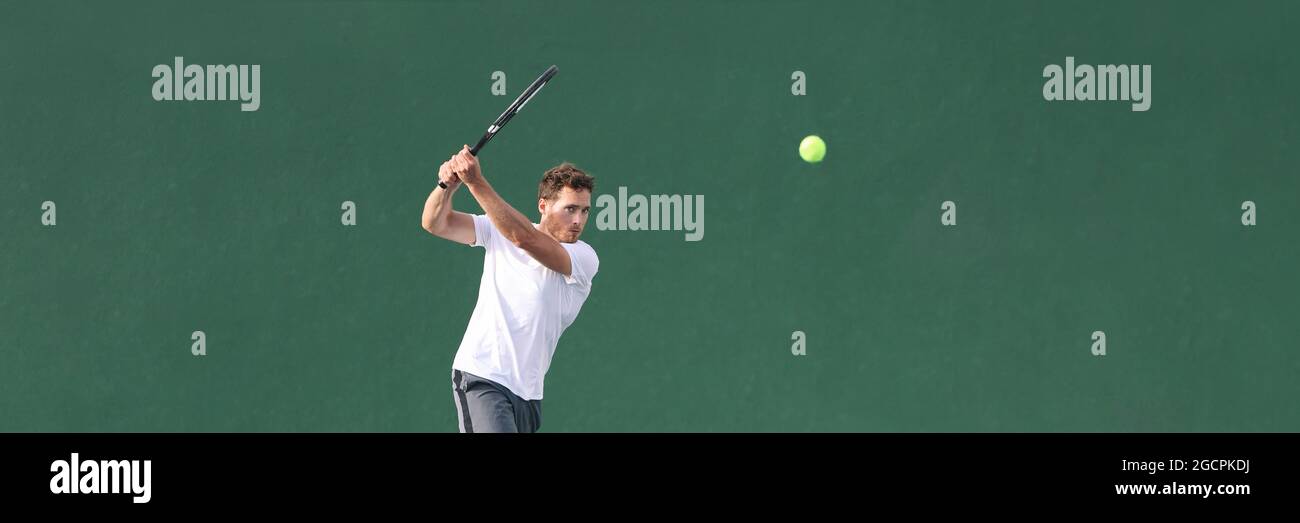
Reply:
x=439, y=218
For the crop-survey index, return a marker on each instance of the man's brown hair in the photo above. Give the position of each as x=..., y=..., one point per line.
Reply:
x=561, y=176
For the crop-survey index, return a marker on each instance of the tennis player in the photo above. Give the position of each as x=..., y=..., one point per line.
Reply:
x=536, y=277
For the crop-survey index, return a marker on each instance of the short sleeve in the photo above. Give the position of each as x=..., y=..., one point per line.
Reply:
x=483, y=231
x=583, y=263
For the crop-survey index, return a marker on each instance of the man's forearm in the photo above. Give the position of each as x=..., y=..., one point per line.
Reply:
x=437, y=208
x=514, y=225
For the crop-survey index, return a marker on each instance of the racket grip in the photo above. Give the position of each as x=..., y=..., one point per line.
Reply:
x=472, y=150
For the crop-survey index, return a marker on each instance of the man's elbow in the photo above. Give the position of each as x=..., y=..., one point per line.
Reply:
x=526, y=240
x=430, y=226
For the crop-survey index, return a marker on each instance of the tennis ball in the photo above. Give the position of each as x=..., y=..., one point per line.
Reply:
x=812, y=149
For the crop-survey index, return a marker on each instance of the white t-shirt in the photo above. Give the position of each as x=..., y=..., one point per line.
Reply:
x=523, y=308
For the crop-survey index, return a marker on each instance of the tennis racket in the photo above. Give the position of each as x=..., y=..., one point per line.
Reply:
x=511, y=111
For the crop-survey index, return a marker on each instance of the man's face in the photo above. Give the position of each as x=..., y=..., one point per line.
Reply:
x=565, y=217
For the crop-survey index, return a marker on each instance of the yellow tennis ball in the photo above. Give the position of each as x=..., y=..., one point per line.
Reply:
x=812, y=149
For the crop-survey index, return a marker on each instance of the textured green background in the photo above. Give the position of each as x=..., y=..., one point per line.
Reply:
x=1073, y=217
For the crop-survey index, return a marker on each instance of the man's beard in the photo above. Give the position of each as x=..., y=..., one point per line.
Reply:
x=562, y=233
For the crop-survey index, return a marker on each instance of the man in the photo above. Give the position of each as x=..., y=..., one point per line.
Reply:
x=536, y=277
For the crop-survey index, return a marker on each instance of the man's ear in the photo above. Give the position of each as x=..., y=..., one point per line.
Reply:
x=541, y=205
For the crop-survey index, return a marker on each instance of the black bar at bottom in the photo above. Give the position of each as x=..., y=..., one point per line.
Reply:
x=290, y=470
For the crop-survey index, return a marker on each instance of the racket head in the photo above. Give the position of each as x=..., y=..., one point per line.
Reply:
x=514, y=107
x=524, y=97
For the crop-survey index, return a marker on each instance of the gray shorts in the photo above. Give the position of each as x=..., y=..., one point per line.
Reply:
x=483, y=405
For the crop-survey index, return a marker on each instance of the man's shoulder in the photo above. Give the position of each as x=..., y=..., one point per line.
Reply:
x=584, y=246
x=585, y=255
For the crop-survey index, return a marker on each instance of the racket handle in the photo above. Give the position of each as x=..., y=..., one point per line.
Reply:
x=473, y=151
